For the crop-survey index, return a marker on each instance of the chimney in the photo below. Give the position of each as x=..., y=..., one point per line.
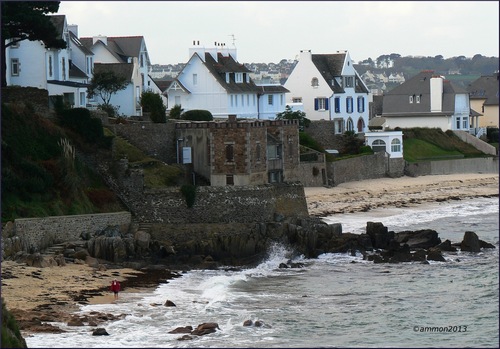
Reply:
x=73, y=28
x=103, y=38
x=436, y=93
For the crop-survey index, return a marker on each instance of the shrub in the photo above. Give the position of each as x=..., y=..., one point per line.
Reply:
x=175, y=112
x=197, y=115
x=152, y=103
x=80, y=121
x=189, y=192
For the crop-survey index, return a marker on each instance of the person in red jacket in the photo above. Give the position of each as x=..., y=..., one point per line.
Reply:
x=115, y=287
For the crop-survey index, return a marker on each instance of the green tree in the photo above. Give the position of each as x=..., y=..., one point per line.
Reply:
x=27, y=20
x=105, y=84
x=289, y=114
x=176, y=111
x=152, y=103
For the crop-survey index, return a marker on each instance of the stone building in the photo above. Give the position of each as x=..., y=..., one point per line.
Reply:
x=240, y=152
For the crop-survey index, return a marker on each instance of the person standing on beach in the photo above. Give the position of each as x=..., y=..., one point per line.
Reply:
x=115, y=287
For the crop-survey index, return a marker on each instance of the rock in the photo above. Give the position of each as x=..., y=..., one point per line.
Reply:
x=485, y=244
x=248, y=323
x=283, y=266
x=185, y=329
x=258, y=323
x=206, y=328
x=425, y=238
x=379, y=235
x=75, y=322
x=81, y=254
x=446, y=246
x=434, y=254
x=419, y=256
x=100, y=332
x=142, y=239
x=470, y=242
x=169, y=303
x=185, y=338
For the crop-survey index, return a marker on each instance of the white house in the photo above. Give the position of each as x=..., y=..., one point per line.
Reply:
x=390, y=142
x=330, y=89
x=124, y=50
x=59, y=71
x=428, y=100
x=213, y=80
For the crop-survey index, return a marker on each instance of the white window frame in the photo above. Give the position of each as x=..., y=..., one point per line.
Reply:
x=15, y=67
x=395, y=146
x=238, y=78
x=321, y=103
x=349, y=81
x=296, y=99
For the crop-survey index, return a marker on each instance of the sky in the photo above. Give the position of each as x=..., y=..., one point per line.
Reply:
x=269, y=31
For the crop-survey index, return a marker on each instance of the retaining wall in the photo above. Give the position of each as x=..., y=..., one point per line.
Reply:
x=39, y=233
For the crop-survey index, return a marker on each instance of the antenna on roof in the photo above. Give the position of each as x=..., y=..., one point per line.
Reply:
x=234, y=39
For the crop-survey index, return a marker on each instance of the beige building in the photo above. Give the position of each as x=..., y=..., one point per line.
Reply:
x=483, y=94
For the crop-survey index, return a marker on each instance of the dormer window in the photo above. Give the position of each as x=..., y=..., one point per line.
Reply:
x=349, y=81
x=411, y=99
x=238, y=77
x=418, y=98
x=227, y=78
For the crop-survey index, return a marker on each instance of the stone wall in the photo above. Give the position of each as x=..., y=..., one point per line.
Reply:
x=364, y=167
x=221, y=204
x=39, y=233
x=32, y=96
x=443, y=167
x=156, y=140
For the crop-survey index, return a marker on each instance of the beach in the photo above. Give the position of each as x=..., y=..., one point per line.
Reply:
x=35, y=295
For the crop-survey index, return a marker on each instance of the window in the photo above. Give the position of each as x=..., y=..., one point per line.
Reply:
x=411, y=99
x=248, y=99
x=349, y=105
x=82, y=99
x=418, y=98
x=254, y=100
x=270, y=99
x=396, y=146
x=314, y=82
x=14, y=67
x=89, y=65
x=64, y=69
x=349, y=81
x=195, y=79
x=361, y=104
x=242, y=100
x=465, y=124
x=378, y=145
x=337, y=104
x=142, y=60
x=229, y=152
x=238, y=77
x=50, y=66
x=321, y=103
x=236, y=100
x=229, y=179
x=227, y=78
x=281, y=99
x=296, y=99
x=350, y=125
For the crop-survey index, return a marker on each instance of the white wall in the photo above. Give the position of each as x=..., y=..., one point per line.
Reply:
x=299, y=85
x=388, y=138
x=268, y=112
x=32, y=68
x=442, y=122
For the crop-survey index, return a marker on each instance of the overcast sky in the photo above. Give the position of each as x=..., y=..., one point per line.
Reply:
x=269, y=31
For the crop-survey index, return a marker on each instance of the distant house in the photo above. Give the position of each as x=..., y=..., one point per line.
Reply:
x=62, y=72
x=330, y=89
x=240, y=152
x=213, y=80
x=124, y=50
x=483, y=94
x=428, y=100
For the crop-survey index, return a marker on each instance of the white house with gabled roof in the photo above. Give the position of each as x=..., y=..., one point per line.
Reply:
x=124, y=50
x=30, y=63
x=330, y=89
x=213, y=80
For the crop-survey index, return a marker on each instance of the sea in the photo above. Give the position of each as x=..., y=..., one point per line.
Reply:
x=335, y=300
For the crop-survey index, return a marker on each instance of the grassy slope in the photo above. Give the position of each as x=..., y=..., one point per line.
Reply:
x=433, y=144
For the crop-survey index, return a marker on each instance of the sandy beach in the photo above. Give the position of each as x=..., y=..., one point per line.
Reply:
x=35, y=295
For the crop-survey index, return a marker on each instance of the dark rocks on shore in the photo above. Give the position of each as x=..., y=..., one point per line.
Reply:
x=100, y=332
